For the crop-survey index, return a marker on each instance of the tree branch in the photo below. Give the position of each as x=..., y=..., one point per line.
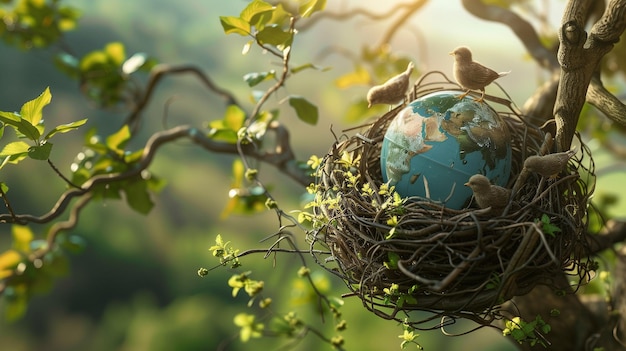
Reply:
x=398, y=23
x=607, y=103
x=282, y=157
x=579, y=57
x=344, y=16
x=522, y=29
x=163, y=70
x=614, y=232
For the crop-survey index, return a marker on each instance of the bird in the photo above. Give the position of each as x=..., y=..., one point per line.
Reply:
x=392, y=91
x=471, y=75
x=549, y=165
x=487, y=194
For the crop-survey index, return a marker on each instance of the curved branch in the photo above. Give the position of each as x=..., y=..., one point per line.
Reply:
x=343, y=16
x=522, y=29
x=162, y=70
x=282, y=157
x=393, y=29
x=614, y=232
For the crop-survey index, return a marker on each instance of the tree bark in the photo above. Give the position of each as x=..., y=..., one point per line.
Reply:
x=579, y=56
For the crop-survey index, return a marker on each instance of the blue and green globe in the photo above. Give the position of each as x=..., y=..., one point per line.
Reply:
x=437, y=142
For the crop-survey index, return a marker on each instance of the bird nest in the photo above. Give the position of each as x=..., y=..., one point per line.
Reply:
x=402, y=254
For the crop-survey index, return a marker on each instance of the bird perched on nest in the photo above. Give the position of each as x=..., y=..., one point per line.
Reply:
x=471, y=75
x=549, y=165
x=487, y=194
x=392, y=91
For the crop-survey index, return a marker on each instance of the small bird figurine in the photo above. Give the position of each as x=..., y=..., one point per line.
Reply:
x=549, y=165
x=471, y=75
x=392, y=91
x=487, y=194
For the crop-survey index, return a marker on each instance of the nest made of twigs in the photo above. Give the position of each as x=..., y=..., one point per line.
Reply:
x=414, y=254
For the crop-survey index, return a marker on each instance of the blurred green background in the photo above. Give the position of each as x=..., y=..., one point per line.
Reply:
x=135, y=286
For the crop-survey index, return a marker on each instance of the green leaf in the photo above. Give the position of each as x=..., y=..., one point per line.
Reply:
x=310, y=7
x=10, y=118
x=40, y=152
x=64, y=128
x=138, y=197
x=280, y=16
x=27, y=130
x=116, y=52
x=548, y=227
x=393, y=260
x=16, y=151
x=234, y=118
x=235, y=25
x=255, y=78
x=32, y=110
x=22, y=236
x=219, y=133
x=274, y=35
x=255, y=11
x=23, y=127
x=306, y=111
x=117, y=140
x=8, y=260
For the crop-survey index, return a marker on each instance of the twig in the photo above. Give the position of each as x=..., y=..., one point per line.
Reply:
x=67, y=180
x=7, y=204
x=286, y=56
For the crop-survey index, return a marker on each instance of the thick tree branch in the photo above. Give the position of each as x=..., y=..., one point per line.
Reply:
x=579, y=57
x=522, y=29
x=614, y=232
x=607, y=103
x=570, y=328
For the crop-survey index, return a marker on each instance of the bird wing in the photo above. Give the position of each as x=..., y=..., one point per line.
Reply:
x=481, y=76
x=500, y=196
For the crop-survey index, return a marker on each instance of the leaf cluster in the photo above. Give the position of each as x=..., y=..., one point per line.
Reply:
x=109, y=156
x=29, y=125
x=35, y=23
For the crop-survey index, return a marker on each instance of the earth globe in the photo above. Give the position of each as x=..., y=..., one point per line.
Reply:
x=438, y=141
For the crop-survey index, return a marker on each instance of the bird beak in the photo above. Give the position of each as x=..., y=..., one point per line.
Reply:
x=466, y=184
x=451, y=53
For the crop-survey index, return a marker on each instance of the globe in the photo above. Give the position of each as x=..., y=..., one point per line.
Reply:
x=438, y=141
